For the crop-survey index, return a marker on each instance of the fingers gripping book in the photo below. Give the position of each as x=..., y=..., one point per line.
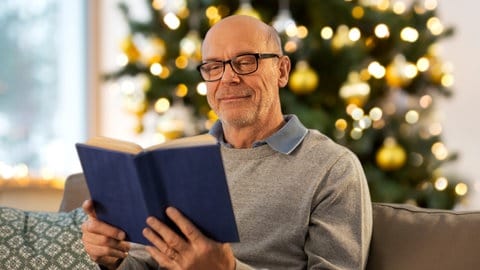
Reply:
x=128, y=183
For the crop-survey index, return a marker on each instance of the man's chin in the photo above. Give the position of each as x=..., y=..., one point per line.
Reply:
x=237, y=119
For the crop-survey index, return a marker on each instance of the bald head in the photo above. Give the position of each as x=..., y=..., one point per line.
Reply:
x=242, y=30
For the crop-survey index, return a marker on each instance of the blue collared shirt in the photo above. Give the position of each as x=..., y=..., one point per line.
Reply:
x=285, y=140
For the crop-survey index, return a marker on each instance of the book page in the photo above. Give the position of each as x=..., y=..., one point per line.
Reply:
x=204, y=139
x=115, y=144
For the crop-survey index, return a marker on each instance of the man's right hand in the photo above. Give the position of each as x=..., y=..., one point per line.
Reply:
x=103, y=243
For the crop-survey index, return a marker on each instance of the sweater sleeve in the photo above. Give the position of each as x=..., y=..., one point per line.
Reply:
x=341, y=219
x=138, y=259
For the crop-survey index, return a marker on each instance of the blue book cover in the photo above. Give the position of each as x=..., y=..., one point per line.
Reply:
x=129, y=184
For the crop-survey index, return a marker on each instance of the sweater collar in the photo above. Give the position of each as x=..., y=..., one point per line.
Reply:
x=285, y=140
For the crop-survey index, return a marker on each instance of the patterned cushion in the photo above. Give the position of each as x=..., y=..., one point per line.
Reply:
x=42, y=240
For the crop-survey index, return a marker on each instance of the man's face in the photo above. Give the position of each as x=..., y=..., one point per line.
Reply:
x=243, y=100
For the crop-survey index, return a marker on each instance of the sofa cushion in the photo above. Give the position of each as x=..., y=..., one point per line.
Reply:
x=75, y=192
x=408, y=237
x=42, y=240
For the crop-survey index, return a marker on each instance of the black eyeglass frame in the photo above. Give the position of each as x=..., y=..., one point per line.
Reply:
x=229, y=61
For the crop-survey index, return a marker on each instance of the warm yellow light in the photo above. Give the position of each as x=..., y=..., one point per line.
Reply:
x=375, y=113
x=159, y=138
x=171, y=20
x=350, y=107
x=211, y=12
x=423, y=64
x=409, y=34
x=399, y=7
x=430, y=4
x=341, y=124
x=354, y=34
x=340, y=39
x=461, y=189
x=435, y=26
x=181, y=62
x=122, y=60
x=425, y=101
x=158, y=4
x=190, y=44
x=246, y=8
x=162, y=105
x=447, y=80
x=382, y=31
x=357, y=113
x=302, y=31
x=365, y=75
x=439, y=151
x=441, y=183
x=47, y=174
x=365, y=122
x=358, y=12
x=291, y=30
x=290, y=46
x=202, y=89
x=183, y=12
x=410, y=71
x=181, y=90
x=212, y=115
x=156, y=69
x=6, y=171
x=20, y=170
x=356, y=133
x=165, y=72
x=127, y=87
x=376, y=70
x=412, y=117
x=383, y=4
x=435, y=129
x=326, y=32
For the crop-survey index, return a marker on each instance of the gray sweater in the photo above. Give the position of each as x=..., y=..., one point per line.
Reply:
x=309, y=209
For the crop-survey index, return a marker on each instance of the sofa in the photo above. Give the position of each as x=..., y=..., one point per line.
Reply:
x=404, y=237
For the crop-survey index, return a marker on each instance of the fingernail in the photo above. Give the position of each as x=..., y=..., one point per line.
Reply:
x=170, y=210
x=149, y=220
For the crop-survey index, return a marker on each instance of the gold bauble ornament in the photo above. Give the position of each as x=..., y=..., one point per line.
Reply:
x=246, y=8
x=354, y=90
x=391, y=156
x=303, y=80
x=341, y=38
x=436, y=70
x=130, y=49
x=397, y=72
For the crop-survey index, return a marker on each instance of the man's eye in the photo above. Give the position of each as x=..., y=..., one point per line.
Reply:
x=212, y=67
x=244, y=62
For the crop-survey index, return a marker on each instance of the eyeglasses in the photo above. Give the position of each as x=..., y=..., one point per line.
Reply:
x=241, y=64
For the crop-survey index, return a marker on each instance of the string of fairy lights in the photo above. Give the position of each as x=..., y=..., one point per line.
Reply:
x=177, y=119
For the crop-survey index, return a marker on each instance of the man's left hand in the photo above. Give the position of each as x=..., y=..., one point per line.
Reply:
x=195, y=252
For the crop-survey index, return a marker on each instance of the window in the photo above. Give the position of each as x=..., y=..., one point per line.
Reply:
x=42, y=86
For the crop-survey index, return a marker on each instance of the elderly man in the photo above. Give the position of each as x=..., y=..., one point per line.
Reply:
x=300, y=200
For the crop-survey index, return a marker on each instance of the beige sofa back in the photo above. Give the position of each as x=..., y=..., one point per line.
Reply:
x=404, y=237
x=410, y=238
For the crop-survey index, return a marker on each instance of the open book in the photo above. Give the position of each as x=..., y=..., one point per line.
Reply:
x=128, y=184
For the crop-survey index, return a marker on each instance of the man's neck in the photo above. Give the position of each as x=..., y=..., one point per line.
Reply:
x=245, y=136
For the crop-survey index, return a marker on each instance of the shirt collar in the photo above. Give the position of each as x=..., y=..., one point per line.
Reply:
x=285, y=140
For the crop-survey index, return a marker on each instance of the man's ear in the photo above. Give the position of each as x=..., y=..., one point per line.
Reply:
x=284, y=65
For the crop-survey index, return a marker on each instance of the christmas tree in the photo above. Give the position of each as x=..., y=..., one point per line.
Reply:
x=366, y=73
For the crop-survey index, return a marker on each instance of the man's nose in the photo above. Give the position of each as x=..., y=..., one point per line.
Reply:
x=228, y=73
